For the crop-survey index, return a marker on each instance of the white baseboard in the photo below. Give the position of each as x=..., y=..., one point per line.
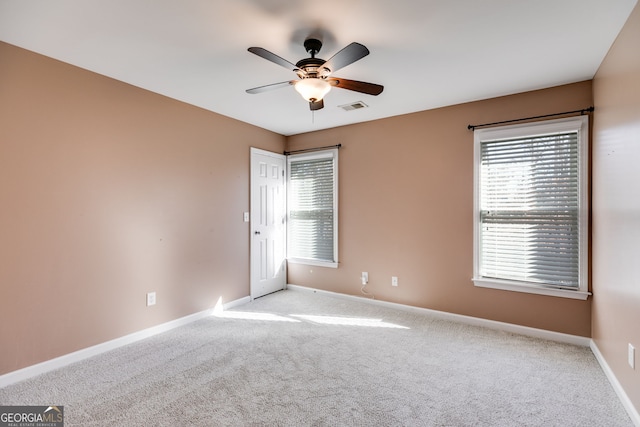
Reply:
x=469, y=320
x=622, y=395
x=235, y=303
x=76, y=356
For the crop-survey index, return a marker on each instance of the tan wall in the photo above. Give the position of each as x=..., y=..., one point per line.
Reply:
x=406, y=210
x=108, y=192
x=616, y=206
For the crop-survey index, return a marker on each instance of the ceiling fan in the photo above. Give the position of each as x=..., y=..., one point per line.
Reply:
x=314, y=74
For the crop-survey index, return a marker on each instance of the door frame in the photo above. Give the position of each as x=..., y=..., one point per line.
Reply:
x=254, y=220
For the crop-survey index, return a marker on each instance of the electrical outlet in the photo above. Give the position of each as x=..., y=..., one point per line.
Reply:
x=151, y=299
x=394, y=281
x=365, y=278
x=632, y=356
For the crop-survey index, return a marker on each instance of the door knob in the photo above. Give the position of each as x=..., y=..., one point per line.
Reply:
x=256, y=232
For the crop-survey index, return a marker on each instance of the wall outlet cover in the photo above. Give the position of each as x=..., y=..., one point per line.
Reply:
x=151, y=299
x=365, y=277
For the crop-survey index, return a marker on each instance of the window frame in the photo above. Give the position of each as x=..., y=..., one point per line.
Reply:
x=578, y=124
x=320, y=154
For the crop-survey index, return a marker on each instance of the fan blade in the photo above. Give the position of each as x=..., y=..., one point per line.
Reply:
x=346, y=56
x=267, y=88
x=313, y=106
x=270, y=56
x=363, y=87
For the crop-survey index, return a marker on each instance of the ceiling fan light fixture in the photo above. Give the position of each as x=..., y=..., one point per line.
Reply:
x=312, y=89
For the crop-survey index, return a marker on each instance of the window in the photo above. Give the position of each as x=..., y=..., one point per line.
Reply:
x=530, y=207
x=312, y=204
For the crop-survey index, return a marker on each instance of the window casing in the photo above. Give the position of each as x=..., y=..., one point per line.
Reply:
x=312, y=208
x=531, y=207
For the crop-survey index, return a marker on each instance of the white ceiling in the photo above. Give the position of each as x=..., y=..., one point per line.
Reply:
x=426, y=53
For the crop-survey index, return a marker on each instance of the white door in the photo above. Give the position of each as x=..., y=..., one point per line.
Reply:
x=268, y=213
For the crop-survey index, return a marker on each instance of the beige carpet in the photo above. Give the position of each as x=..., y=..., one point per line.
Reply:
x=296, y=358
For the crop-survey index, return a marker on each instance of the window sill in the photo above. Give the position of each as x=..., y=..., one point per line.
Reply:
x=506, y=285
x=313, y=262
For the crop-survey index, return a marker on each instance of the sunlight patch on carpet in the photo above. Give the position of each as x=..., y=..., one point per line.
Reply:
x=349, y=321
x=249, y=315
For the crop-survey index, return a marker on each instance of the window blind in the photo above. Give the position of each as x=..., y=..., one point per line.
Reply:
x=311, y=226
x=529, y=209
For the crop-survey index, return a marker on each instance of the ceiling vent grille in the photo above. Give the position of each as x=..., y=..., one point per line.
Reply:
x=354, y=106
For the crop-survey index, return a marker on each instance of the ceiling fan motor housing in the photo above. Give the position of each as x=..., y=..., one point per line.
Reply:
x=312, y=67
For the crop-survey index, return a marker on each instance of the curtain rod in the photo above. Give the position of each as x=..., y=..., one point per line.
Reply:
x=306, y=150
x=583, y=111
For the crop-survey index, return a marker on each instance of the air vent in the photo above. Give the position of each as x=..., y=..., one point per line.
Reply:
x=354, y=106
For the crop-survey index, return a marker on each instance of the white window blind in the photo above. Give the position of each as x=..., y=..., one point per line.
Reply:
x=312, y=206
x=529, y=205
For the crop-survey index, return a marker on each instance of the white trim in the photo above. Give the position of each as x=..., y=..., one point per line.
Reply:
x=237, y=302
x=580, y=124
x=617, y=387
x=331, y=153
x=459, y=318
x=313, y=262
x=254, y=150
x=67, y=359
x=506, y=285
